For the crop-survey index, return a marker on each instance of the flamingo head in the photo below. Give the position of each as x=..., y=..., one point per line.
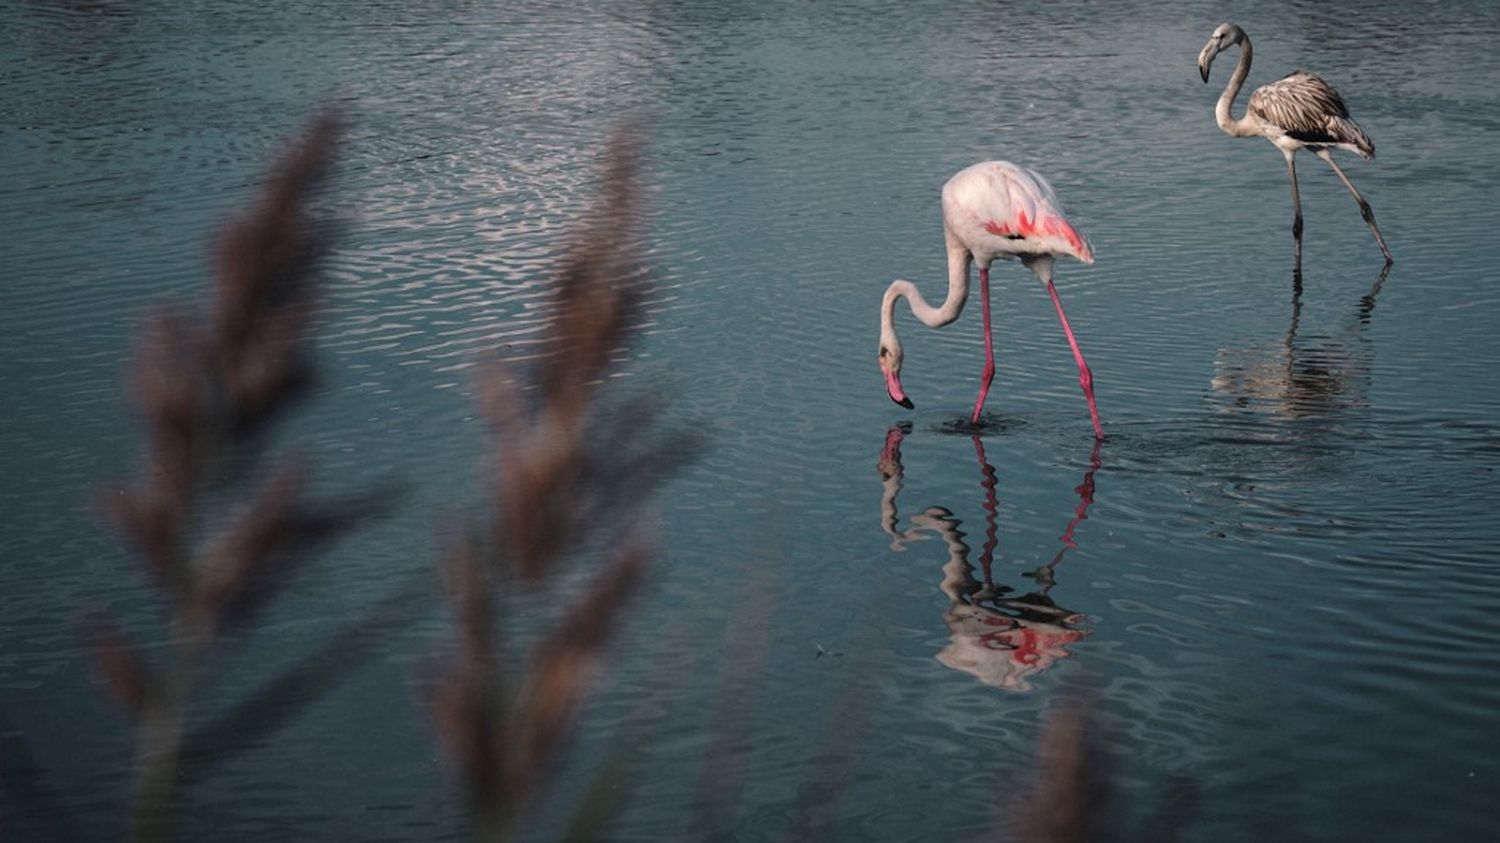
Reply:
x=890, y=365
x=1225, y=36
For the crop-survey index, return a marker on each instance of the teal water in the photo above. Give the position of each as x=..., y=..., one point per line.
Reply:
x=1283, y=593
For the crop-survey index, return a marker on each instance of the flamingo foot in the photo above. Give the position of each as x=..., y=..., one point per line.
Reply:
x=1086, y=381
x=985, y=379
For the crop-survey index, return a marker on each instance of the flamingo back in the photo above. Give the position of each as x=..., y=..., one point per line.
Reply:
x=1310, y=112
x=1000, y=209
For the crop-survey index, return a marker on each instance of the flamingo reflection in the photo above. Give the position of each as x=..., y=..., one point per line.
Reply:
x=1001, y=638
x=1301, y=377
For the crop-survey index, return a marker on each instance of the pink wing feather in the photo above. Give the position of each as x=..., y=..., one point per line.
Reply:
x=1016, y=203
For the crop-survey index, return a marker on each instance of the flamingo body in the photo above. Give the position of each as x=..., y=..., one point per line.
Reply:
x=1301, y=111
x=997, y=209
x=1298, y=111
x=991, y=210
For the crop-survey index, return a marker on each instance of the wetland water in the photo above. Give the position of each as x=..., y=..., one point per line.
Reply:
x=1278, y=574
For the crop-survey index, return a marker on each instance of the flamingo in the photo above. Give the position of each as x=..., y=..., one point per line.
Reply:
x=994, y=209
x=1295, y=112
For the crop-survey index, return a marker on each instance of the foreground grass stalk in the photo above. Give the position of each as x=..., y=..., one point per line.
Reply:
x=571, y=470
x=161, y=731
x=209, y=390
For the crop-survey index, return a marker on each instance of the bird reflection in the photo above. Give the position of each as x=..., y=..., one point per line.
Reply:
x=1000, y=637
x=1301, y=376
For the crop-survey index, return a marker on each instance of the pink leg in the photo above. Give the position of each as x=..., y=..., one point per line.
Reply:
x=989, y=346
x=1085, y=377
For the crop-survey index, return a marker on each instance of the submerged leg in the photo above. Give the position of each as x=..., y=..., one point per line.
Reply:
x=1364, y=207
x=1085, y=377
x=990, y=483
x=989, y=347
x=1291, y=170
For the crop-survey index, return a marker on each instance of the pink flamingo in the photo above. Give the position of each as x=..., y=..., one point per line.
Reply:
x=991, y=210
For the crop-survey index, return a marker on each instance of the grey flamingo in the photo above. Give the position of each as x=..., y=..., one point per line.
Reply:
x=1295, y=112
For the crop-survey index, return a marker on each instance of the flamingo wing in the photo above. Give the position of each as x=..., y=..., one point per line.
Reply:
x=1031, y=212
x=1002, y=209
x=1011, y=202
x=1307, y=109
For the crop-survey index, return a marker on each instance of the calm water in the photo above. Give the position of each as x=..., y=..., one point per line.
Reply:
x=1285, y=587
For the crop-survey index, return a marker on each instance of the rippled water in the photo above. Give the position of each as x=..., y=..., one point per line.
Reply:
x=1277, y=573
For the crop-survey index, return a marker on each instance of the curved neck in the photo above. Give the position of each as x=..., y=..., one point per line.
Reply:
x=932, y=317
x=1240, y=127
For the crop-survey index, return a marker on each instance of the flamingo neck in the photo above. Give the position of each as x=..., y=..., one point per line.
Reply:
x=932, y=317
x=1242, y=127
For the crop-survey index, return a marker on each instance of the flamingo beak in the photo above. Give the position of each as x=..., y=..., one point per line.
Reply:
x=894, y=390
x=1206, y=58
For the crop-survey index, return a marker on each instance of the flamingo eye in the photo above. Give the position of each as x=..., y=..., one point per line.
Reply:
x=884, y=352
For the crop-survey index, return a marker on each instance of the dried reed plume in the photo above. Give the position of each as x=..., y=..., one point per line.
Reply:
x=1075, y=796
x=1068, y=802
x=570, y=470
x=208, y=391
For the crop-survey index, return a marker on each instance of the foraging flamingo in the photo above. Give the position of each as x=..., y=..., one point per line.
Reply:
x=1295, y=112
x=991, y=210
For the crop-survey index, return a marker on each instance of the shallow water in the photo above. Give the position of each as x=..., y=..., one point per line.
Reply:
x=1277, y=574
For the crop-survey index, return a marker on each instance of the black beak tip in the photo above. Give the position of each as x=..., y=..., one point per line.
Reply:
x=905, y=402
x=1203, y=71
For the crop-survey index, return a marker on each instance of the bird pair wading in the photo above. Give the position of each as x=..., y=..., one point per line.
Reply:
x=997, y=209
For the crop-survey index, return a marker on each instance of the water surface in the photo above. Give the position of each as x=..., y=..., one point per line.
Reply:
x=1277, y=573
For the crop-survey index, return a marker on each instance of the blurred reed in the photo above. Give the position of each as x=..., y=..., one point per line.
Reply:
x=217, y=523
x=1076, y=794
x=571, y=469
x=1070, y=795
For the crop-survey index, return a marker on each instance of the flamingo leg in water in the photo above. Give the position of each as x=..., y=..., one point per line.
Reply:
x=1364, y=207
x=1291, y=168
x=991, y=521
x=1085, y=377
x=989, y=346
